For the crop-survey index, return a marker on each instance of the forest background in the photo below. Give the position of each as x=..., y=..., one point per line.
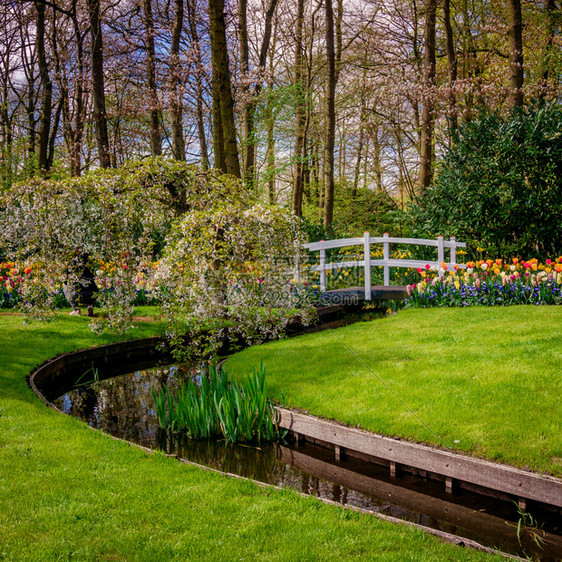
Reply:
x=340, y=111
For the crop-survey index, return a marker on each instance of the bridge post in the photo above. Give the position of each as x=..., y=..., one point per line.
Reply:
x=367, y=259
x=440, y=254
x=386, y=257
x=453, y=250
x=322, y=270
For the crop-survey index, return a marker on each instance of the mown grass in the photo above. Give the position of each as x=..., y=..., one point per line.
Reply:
x=67, y=492
x=486, y=381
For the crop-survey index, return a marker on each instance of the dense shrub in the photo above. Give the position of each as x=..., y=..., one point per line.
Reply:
x=500, y=185
x=354, y=213
x=192, y=240
x=107, y=211
x=236, y=263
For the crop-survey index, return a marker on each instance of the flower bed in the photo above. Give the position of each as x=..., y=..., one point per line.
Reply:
x=14, y=275
x=11, y=277
x=344, y=277
x=489, y=283
x=484, y=282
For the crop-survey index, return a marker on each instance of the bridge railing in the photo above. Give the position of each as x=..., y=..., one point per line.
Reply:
x=367, y=241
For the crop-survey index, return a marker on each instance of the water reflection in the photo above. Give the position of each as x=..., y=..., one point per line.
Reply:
x=123, y=406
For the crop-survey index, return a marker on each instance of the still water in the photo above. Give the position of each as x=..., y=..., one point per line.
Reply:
x=123, y=406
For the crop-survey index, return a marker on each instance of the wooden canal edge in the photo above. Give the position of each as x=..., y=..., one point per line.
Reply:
x=454, y=467
x=56, y=373
x=523, y=485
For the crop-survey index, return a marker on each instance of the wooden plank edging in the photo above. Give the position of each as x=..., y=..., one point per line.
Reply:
x=507, y=479
x=503, y=478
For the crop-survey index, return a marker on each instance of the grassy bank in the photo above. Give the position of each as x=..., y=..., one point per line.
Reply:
x=486, y=381
x=69, y=492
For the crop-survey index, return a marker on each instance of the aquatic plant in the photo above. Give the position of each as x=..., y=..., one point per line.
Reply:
x=218, y=406
x=527, y=524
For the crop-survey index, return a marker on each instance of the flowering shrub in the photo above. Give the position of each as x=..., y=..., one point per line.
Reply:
x=220, y=258
x=235, y=264
x=490, y=283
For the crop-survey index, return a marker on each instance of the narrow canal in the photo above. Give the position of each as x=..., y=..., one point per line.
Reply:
x=123, y=406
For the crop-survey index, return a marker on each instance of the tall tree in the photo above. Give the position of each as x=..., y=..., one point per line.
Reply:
x=199, y=73
x=70, y=76
x=300, y=111
x=452, y=64
x=330, y=116
x=155, y=134
x=515, y=52
x=249, y=97
x=176, y=96
x=245, y=86
x=222, y=92
x=218, y=135
x=98, y=83
x=551, y=14
x=46, y=86
x=270, y=127
x=427, y=120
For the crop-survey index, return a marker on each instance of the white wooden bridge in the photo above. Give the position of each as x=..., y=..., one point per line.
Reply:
x=385, y=291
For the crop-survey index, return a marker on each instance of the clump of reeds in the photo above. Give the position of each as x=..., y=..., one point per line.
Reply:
x=219, y=406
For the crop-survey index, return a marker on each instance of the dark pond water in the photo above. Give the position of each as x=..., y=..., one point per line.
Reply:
x=123, y=406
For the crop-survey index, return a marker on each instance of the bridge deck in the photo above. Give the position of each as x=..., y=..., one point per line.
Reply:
x=356, y=295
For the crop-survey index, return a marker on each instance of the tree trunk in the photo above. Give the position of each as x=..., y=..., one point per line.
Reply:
x=515, y=32
x=452, y=62
x=155, y=135
x=218, y=137
x=176, y=101
x=76, y=166
x=550, y=12
x=365, y=162
x=98, y=87
x=377, y=158
x=54, y=131
x=47, y=89
x=221, y=73
x=339, y=38
x=192, y=13
x=270, y=157
x=306, y=171
x=6, y=151
x=249, y=97
x=427, y=120
x=247, y=117
x=362, y=119
x=300, y=112
x=31, y=122
x=64, y=94
x=330, y=117
x=270, y=124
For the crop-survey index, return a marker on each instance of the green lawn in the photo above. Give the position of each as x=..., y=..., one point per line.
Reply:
x=69, y=492
x=486, y=381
